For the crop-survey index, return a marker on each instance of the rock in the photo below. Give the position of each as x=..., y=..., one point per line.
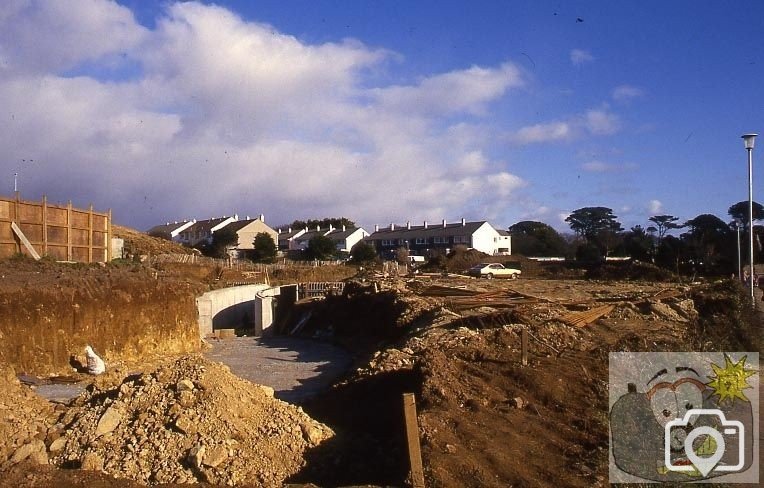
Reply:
x=108, y=422
x=185, y=385
x=267, y=390
x=450, y=448
x=196, y=455
x=518, y=403
x=57, y=444
x=313, y=434
x=39, y=458
x=215, y=456
x=28, y=450
x=186, y=399
x=91, y=462
x=95, y=364
x=185, y=425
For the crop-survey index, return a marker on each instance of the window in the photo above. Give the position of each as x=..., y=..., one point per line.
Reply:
x=401, y=242
x=461, y=240
x=441, y=240
x=387, y=242
x=421, y=240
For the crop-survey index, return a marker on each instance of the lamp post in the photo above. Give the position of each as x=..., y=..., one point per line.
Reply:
x=748, y=140
x=739, y=266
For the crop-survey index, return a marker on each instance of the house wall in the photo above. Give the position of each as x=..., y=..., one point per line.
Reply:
x=247, y=234
x=347, y=244
x=484, y=239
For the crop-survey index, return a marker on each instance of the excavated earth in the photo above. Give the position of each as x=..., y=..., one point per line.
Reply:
x=484, y=418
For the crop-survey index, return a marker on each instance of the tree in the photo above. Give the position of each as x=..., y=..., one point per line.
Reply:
x=402, y=255
x=222, y=240
x=638, y=244
x=709, y=240
x=739, y=212
x=664, y=223
x=589, y=222
x=362, y=253
x=265, y=248
x=336, y=222
x=321, y=247
x=531, y=238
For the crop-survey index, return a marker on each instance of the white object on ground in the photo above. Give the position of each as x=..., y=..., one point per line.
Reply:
x=95, y=363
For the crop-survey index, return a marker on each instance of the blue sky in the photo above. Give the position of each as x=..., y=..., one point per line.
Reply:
x=383, y=111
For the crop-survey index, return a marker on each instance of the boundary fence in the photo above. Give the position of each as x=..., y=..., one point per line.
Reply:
x=62, y=232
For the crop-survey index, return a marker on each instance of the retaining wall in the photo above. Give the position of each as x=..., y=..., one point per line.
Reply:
x=228, y=308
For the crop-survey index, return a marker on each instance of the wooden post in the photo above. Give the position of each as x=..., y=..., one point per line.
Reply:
x=525, y=347
x=69, y=231
x=44, y=225
x=16, y=217
x=412, y=438
x=90, y=233
x=109, y=256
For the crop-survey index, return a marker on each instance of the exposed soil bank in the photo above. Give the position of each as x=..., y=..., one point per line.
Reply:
x=49, y=312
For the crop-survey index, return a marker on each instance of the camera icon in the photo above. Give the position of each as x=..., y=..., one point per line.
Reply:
x=703, y=445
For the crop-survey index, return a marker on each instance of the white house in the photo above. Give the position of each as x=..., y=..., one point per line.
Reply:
x=202, y=230
x=247, y=229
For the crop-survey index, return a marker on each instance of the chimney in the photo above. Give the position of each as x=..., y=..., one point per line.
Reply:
x=235, y=217
x=247, y=217
x=444, y=223
x=331, y=227
x=343, y=228
x=392, y=226
x=289, y=230
x=425, y=224
x=318, y=228
x=278, y=231
x=376, y=228
x=262, y=218
x=306, y=228
x=464, y=222
x=408, y=225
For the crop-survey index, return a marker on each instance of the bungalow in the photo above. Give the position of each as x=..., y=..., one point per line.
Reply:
x=286, y=239
x=246, y=230
x=345, y=238
x=425, y=239
x=171, y=229
x=202, y=230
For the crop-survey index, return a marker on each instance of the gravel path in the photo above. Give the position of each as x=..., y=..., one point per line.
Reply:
x=295, y=368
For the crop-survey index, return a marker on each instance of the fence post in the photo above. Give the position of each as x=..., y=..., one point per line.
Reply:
x=69, y=231
x=109, y=251
x=16, y=217
x=44, y=225
x=524, y=340
x=90, y=233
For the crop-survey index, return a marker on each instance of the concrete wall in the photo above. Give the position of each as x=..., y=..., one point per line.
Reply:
x=228, y=308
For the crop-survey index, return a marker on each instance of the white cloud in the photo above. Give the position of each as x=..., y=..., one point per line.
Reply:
x=579, y=56
x=597, y=166
x=624, y=93
x=654, y=207
x=220, y=115
x=596, y=122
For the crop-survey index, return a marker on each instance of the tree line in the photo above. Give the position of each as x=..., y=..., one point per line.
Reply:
x=705, y=244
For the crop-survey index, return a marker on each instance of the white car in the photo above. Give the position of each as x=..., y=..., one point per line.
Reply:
x=493, y=270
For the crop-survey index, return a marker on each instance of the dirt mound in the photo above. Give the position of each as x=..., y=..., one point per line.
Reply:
x=137, y=243
x=191, y=420
x=23, y=417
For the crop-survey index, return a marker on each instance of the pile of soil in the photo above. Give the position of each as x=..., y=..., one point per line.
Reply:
x=189, y=421
x=137, y=243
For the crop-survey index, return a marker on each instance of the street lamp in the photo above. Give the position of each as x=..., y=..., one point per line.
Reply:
x=748, y=140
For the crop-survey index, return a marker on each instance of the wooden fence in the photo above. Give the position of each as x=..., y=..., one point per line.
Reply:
x=63, y=232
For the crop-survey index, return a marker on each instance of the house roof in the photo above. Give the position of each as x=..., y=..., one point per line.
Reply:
x=311, y=234
x=503, y=232
x=434, y=230
x=169, y=227
x=206, y=225
x=339, y=234
x=240, y=224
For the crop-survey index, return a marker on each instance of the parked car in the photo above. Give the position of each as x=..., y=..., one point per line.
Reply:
x=493, y=270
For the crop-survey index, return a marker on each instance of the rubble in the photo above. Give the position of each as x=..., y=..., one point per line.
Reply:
x=189, y=421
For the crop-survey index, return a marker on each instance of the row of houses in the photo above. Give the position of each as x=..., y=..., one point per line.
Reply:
x=419, y=240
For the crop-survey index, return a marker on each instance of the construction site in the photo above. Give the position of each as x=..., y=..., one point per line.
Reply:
x=428, y=379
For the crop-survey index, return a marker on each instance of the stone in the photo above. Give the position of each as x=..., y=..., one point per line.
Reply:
x=196, y=455
x=108, y=422
x=450, y=448
x=27, y=450
x=185, y=425
x=215, y=456
x=91, y=462
x=39, y=458
x=518, y=403
x=57, y=444
x=269, y=392
x=185, y=385
x=312, y=434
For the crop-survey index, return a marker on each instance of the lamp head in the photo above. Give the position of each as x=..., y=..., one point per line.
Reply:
x=748, y=140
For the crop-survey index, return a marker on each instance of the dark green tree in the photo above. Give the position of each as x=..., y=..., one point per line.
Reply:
x=638, y=244
x=589, y=222
x=531, y=238
x=362, y=253
x=324, y=223
x=222, y=240
x=320, y=247
x=709, y=240
x=664, y=223
x=739, y=212
x=264, y=248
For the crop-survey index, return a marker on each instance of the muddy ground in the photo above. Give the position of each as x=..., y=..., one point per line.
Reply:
x=484, y=418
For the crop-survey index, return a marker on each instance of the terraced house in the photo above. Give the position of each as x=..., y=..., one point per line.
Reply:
x=425, y=239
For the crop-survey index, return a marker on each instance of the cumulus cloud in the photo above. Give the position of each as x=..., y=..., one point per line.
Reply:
x=212, y=115
x=596, y=122
x=624, y=93
x=580, y=56
x=654, y=207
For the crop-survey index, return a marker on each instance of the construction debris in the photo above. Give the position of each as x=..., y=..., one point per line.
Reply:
x=580, y=319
